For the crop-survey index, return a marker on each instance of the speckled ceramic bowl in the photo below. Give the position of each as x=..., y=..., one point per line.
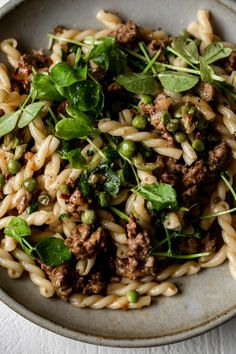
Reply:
x=207, y=299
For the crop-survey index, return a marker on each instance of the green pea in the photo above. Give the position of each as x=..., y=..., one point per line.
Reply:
x=165, y=118
x=133, y=296
x=44, y=199
x=73, y=49
x=173, y=125
x=178, y=112
x=139, y=122
x=180, y=137
x=30, y=184
x=13, y=166
x=198, y=145
x=127, y=148
x=103, y=199
x=2, y=181
x=191, y=110
x=88, y=216
x=146, y=99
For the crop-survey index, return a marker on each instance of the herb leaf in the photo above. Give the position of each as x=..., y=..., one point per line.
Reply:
x=8, y=122
x=63, y=75
x=206, y=71
x=76, y=160
x=161, y=195
x=112, y=183
x=187, y=49
x=83, y=184
x=18, y=229
x=46, y=88
x=84, y=96
x=53, y=252
x=30, y=112
x=177, y=81
x=215, y=51
x=71, y=128
x=138, y=83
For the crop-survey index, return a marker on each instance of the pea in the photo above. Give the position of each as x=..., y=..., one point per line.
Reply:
x=133, y=296
x=44, y=199
x=198, y=145
x=139, y=122
x=30, y=184
x=173, y=125
x=180, y=137
x=73, y=49
x=88, y=216
x=2, y=181
x=103, y=199
x=127, y=148
x=192, y=110
x=13, y=166
x=146, y=99
x=178, y=112
x=165, y=118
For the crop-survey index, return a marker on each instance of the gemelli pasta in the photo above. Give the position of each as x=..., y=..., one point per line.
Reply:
x=117, y=161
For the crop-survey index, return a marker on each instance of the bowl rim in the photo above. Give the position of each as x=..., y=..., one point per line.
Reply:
x=88, y=338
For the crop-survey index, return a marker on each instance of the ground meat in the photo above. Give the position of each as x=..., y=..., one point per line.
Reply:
x=206, y=91
x=209, y=243
x=189, y=196
x=230, y=63
x=27, y=61
x=58, y=29
x=195, y=174
x=157, y=44
x=77, y=203
x=99, y=74
x=85, y=242
x=137, y=263
x=95, y=284
x=160, y=128
x=23, y=202
x=219, y=157
x=133, y=268
x=115, y=89
x=61, y=278
x=169, y=178
x=127, y=33
x=188, y=245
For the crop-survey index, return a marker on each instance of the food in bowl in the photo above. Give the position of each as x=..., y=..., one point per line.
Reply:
x=117, y=161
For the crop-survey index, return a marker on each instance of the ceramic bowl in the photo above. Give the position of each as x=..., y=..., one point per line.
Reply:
x=207, y=299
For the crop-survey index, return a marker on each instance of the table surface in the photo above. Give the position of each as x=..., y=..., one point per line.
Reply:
x=15, y=332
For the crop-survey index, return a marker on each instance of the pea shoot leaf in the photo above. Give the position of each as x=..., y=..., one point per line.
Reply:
x=8, y=122
x=30, y=113
x=215, y=51
x=138, y=83
x=53, y=252
x=46, y=88
x=187, y=49
x=177, y=81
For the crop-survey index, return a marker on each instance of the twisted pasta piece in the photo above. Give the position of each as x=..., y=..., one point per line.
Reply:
x=202, y=29
x=118, y=233
x=149, y=288
x=36, y=274
x=159, y=145
x=9, y=243
x=84, y=266
x=201, y=105
x=11, y=201
x=37, y=218
x=178, y=270
x=111, y=302
x=8, y=46
x=108, y=19
x=229, y=118
x=5, y=82
x=14, y=268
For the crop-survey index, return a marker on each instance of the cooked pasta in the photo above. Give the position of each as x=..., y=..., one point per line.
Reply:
x=118, y=161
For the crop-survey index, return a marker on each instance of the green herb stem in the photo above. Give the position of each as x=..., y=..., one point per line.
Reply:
x=229, y=186
x=180, y=68
x=72, y=41
x=179, y=55
x=120, y=214
x=53, y=115
x=217, y=214
x=181, y=256
x=152, y=61
x=143, y=49
x=96, y=148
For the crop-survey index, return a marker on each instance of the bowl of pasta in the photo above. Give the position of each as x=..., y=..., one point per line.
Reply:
x=117, y=167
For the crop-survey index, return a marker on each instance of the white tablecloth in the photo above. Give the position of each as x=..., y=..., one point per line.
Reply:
x=19, y=336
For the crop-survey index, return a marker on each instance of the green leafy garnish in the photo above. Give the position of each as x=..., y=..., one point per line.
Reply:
x=177, y=81
x=161, y=195
x=71, y=128
x=215, y=51
x=112, y=183
x=30, y=112
x=63, y=75
x=53, y=252
x=181, y=256
x=8, y=122
x=83, y=183
x=138, y=83
x=75, y=158
x=187, y=49
x=119, y=213
x=46, y=88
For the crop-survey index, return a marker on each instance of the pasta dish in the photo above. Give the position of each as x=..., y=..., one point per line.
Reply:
x=117, y=161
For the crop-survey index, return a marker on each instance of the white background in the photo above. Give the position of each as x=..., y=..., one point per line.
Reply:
x=19, y=336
